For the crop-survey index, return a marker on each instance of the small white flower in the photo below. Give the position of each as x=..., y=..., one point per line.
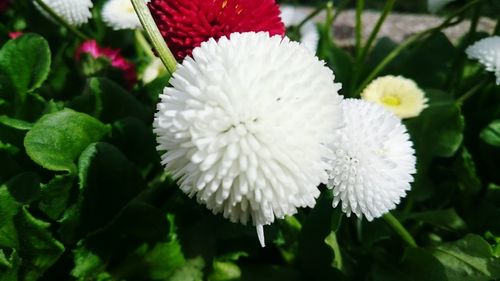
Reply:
x=153, y=71
x=75, y=12
x=120, y=14
x=373, y=160
x=245, y=124
x=487, y=51
x=308, y=32
x=400, y=95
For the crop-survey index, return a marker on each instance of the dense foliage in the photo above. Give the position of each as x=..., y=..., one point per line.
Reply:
x=83, y=195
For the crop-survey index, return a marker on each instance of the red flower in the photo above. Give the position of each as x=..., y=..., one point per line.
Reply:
x=185, y=24
x=15, y=34
x=4, y=5
x=113, y=55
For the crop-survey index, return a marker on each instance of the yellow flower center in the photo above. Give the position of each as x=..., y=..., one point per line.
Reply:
x=391, y=100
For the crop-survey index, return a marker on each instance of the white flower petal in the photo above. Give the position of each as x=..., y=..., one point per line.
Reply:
x=120, y=14
x=373, y=160
x=75, y=12
x=487, y=52
x=245, y=124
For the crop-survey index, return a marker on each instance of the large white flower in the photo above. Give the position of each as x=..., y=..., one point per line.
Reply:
x=373, y=160
x=245, y=124
x=75, y=12
x=487, y=51
x=120, y=14
x=308, y=32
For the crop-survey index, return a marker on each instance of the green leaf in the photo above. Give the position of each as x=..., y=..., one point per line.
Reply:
x=24, y=187
x=442, y=122
x=107, y=101
x=417, y=265
x=465, y=169
x=225, y=271
x=87, y=264
x=136, y=140
x=108, y=182
x=57, y=139
x=8, y=209
x=26, y=61
x=15, y=123
x=447, y=219
x=192, y=270
x=9, y=266
x=491, y=134
x=331, y=240
x=39, y=250
x=470, y=259
x=55, y=196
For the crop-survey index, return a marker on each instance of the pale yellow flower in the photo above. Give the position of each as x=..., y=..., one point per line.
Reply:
x=400, y=95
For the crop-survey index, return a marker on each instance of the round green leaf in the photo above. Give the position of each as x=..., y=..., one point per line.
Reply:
x=26, y=61
x=491, y=134
x=57, y=139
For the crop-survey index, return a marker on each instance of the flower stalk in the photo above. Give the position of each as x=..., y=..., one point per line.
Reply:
x=154, y=35
x=412, y=39
x=394, y=223
x=360, y=5
x=61, y=21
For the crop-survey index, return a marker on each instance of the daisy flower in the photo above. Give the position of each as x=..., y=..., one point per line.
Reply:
x=487, y=52
x=185, y=24
x=244, y=126
x=120, y=14
x=400, y=95
x=309, y=35
x=153, y=71
x=116, y=60
x=373, y=160
x=75, y=12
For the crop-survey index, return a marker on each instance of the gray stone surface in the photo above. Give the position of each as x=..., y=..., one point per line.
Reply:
x=397, y=26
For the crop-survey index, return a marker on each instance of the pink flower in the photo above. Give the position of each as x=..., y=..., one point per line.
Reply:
x=113, y=55
x=15, y=34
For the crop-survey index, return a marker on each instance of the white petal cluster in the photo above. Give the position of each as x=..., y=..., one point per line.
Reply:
x=487, y=51
x=245, y=124
x=120, y=14
x=309, y=34
x=373, y=160
x=75, y=12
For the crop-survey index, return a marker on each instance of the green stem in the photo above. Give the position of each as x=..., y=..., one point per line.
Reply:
x=412, y=39
x=60, y=20
x=387, y=10
x=311, y=16
x=497, y=28
x=394, y=223
x=473, y=91
x=360, y=4
x=339, y=9
x=143, y=43
x=154, y=35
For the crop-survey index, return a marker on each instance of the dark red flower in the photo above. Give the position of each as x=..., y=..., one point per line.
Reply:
x=4, y=4
x=113, y=55
x=185, y=24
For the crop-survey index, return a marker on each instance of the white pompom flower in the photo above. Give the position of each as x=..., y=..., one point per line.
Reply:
x=373, y=160
x=75, y=12
x=487, y=51
x=120, y=14
x=309, y=35
x=245, y=126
